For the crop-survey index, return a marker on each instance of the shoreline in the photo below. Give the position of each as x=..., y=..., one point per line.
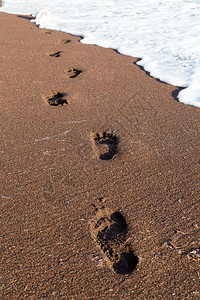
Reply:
x=54, y=171
x=179, y=94
x=149, y=61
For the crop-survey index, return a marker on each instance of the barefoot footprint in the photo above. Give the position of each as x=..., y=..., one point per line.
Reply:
x=72, y=73
x=55, y=54
x=65, y=41
x=109, y=230
x=56, y=99
x=105, y=144
x=49, y=32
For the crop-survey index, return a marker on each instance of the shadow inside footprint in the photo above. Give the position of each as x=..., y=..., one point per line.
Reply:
x=110, y=141
x=127, y=263
x=56, y=99
x=111, y=230
x=118, y=227
x=73, y=73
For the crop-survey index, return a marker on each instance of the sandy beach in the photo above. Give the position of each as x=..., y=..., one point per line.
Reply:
x=99, y=173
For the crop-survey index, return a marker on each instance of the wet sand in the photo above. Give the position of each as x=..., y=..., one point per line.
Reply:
x=94, y=165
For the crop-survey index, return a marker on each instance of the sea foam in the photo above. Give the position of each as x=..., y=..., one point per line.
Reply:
x=164, y=34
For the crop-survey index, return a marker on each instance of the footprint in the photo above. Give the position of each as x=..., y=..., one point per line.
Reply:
x=55, y=54
x=109, y=230
x=65, y=41
x=56, y=99
x=72, y=73
x=48, y=31
x=105, y=144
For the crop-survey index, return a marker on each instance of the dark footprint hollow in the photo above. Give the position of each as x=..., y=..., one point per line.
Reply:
x=105, y=145
x=117, y=226
x=56, y=99
x=110, y=231
x=127, y=263
x=55, y=54
x=73, y=73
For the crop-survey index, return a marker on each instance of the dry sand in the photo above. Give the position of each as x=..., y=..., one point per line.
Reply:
x=56, y=163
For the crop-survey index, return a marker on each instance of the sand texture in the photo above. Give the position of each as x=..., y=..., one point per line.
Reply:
x=99, y=173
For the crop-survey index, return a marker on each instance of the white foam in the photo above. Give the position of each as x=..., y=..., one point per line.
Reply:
x=45, y=19
x=163, y=33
